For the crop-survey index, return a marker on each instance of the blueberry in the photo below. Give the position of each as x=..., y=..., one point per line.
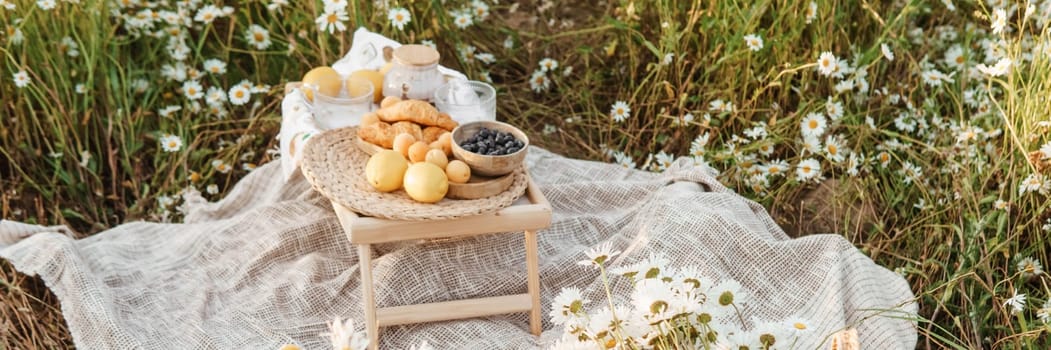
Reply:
x=482, y=150
x=468, y=147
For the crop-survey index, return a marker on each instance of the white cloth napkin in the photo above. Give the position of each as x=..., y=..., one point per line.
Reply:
x=297, y=121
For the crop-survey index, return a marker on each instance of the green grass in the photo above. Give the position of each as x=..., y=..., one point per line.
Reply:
x=958, y=251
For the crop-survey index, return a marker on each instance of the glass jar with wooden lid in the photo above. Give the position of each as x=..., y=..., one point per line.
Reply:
x=414, y=73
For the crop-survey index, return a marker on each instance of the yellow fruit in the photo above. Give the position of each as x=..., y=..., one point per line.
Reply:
x=324, y=79
x=446, y=141
x=418, y=151
x=402, y=142
x=457, y=171
x=385, y=170
x=437, y=157
x=426, y=182
x=377, y=82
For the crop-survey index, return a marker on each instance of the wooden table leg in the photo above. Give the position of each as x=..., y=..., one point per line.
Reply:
x=368, y=300
x=533, y=272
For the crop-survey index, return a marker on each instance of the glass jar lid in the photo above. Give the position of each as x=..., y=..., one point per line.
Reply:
x=416, y=55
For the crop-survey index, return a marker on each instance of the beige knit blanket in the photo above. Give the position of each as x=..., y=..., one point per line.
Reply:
x=269, y=265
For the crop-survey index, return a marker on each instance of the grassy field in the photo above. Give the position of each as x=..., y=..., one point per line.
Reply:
x=919, y=130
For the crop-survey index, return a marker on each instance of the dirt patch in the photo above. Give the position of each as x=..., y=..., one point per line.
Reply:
x=832, y=206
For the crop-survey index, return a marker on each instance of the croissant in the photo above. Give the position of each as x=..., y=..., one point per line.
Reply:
x=408, y=128
x=378, y=133
x=432, y=133
x=416, y=111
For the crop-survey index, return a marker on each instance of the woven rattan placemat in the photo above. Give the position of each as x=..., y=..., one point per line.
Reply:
x=335, y=166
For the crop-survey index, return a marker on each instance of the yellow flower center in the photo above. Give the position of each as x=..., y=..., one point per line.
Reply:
x=332, y=19
x=959, y=59
x=620, y=111
x=258, y=36
x=215, y=69
x=806, y=169
x=825, y=62
x=799, y=325
x=774, y=170
x=191, y=91
x=172, y=144
x=398, y=17
x=883, y=157
x=812, y=124
x=832, y=149
x=208, y=17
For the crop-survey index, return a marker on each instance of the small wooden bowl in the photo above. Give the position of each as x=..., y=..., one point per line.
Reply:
x=483, y=164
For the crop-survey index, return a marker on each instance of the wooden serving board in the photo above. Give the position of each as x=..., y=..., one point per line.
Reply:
x=476, y=187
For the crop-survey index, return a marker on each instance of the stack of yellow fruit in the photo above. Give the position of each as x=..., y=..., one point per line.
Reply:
x=427, y=179
x=327, y=81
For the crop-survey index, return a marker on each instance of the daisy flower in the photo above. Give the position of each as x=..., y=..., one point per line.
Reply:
x=834, y=149
x=548, y=65
x=812, y=145
x=276, y=5
x=215, y=66
x=1030, y=267
x=7, y=4
x=1000, y=204
x=1000, y=68
x=208, y=14
x=884, y=159
x=854, y=163
x=509, y=42
x=834, y=109
x=954, y=57
x=620, y=111
x=239, y=95
x=911, y=172
x=539, y=81
x=334, y=4
x=192, y=89
x=662, y=161
x=221, y=166
x=999, y=20
x=343, y=336
x=399, y=17
x=69, y=47
x=599, y=256
x=462, y=20
x=568, y=306
x=827, y=63
x=697, y=146
x=21, y=79
x=480, y=9
x=1016, y=302
x=170, y=143
x=776, y=168
x=728, y=292
x=332, y=20
x=754, y=42
x=80, y=89
x=811, y=12
x=1032, y=183
x=257, y=36
x=485, y=57
x=808, y=169
x=654, y=299
x=887, y=53
x=215, y=96
x=46, y=5
x=813, y=125
x=624, y=160
x=167, y=111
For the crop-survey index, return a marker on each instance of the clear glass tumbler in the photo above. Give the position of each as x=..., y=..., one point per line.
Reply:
x=466, y=101
x=355, y=99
